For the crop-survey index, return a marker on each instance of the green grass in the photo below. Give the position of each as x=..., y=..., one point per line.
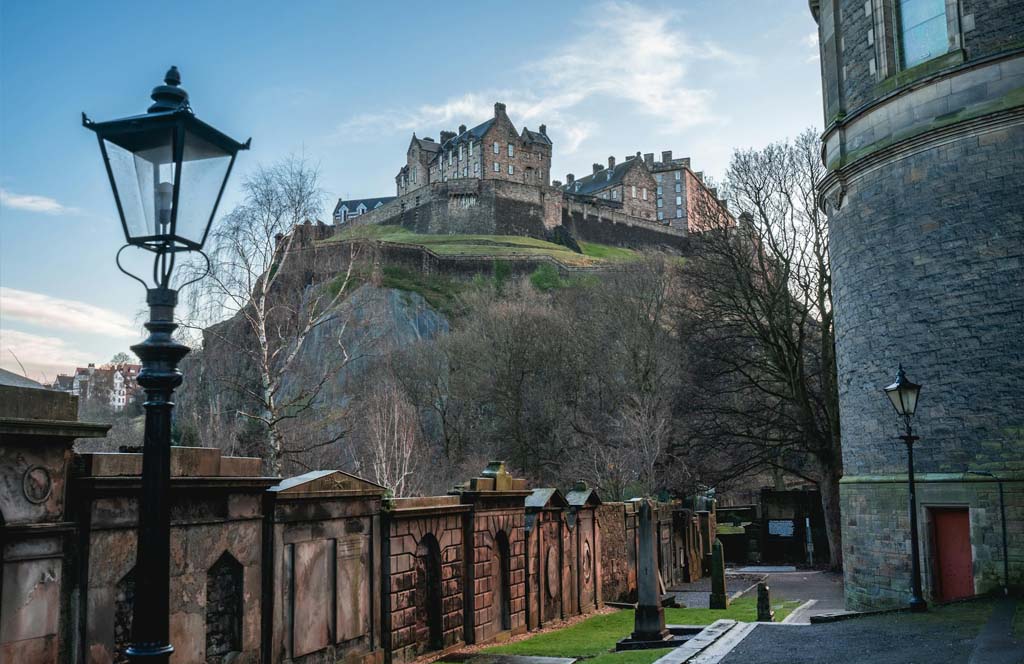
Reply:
x=594, y=638
x=439, y=291
x=488, y=245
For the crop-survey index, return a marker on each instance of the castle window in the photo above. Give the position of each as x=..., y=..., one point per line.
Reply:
x=679, y=186
x=497, y=166
x=679, y=213
x=511, y=150
x=460, y=152
x=615, y=194
x=450, y=157
x=661, y=203
x=659, y=190
x=465, y=171
x=923, y=30
x=661, y=215
x=476, y=167
x=634, y=191
x=511, y=169
x=497, y=148
x=679, y=175
x=644, y=191
x=471, y=148
x=679, y=200
x=658, y=178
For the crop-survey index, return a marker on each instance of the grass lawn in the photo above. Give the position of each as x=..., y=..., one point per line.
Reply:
x=488, y=245
x=594, y=639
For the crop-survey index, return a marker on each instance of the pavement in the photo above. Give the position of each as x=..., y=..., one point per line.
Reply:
x=979, y=631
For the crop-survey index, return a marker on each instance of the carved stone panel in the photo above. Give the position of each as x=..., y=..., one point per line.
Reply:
x=312, y=600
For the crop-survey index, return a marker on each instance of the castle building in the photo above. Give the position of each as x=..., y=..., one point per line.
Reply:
x=924, y=146
x=492, y=150
x=628, y=183
x=349, y=209
x=683, y=198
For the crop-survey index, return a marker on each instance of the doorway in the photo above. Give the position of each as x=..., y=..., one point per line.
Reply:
x=502, y=592
x=954, y=567
x=427, y=594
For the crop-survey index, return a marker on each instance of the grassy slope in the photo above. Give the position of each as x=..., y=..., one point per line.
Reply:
x=594, y=639
x=489, y=245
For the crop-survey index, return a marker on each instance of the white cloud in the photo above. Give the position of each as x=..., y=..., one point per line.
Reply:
x=646, y=68
x=43, y=356
x=59, y=314
x=811, y=41
x=32, y=203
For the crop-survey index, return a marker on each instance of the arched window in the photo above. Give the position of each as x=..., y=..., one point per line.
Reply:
x=223, y=609
x=427, y=593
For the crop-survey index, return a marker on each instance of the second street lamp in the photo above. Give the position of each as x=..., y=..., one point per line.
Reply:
x=167, y=170
x=903, y=395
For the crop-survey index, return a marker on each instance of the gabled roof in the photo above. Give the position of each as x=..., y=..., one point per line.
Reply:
x=474, y=134
x=581, y=495
x=326, y=481
x=14, y=380
x=425, y=144
x=370, y=203
x=535, y=137
x=545, y=497
x=601, y=180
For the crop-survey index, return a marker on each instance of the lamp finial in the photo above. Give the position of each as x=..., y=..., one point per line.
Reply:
x=169, y=97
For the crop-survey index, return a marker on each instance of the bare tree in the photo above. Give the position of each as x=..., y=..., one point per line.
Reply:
x=760, y=329
x=393, y=447
x=258, y=282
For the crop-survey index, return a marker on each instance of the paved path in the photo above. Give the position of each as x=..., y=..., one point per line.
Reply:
x=956, y=634
x=824, y=588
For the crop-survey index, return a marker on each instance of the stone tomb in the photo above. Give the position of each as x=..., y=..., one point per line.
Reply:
x=37, y=429
x=585, y=541
x=321, y=598
x=216, y=555
x=496, y=569
x=424, y=591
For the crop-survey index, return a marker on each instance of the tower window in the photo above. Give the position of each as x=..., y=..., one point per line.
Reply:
x=497, y=166
x=923, y=31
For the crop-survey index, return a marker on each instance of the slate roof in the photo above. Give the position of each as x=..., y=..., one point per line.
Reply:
x=63, y=382
x=427, y=144
x=545, y=497
x=474, y=134
x=14, y=380
x=599, y=181
x=326, y=480
x=370, y=203
x=582, y=495
x=535, y=137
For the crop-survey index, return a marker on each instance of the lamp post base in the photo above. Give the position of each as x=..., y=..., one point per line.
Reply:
x=918, y=605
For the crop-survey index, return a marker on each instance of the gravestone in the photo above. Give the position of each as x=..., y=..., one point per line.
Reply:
x=764, y=603
x=649, y=623
x=719, y=598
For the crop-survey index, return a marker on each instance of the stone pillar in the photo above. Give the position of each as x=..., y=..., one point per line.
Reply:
x=764, y=603
x=650, y=616
x=719, y=598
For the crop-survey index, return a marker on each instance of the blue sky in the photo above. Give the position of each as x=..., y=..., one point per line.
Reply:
x=346, y=84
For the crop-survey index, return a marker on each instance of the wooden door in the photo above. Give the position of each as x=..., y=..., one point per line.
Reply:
x=953, y=564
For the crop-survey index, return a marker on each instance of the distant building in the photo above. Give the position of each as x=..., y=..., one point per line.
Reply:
x=113, y=384
x=683, y=198
x=346, y=210
x=628, y=182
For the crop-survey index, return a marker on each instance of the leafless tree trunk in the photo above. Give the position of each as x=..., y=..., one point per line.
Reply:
x=761, y=325
x=393, y=439
x=256, y=277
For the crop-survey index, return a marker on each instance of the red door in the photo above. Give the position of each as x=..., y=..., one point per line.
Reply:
x=952, y=528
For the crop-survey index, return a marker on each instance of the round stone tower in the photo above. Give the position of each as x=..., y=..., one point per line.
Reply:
x=924, y=144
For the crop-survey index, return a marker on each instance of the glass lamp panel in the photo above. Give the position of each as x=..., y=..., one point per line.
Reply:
x=143, y=171
x=204, y=167
x=893, y=393
x=909, y=394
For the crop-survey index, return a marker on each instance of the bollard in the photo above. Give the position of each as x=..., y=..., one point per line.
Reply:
x=764, y=603
x=719, y=599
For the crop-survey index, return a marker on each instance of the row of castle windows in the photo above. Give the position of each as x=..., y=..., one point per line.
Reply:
x=679, y=201
x=661, y=214
x=679, y=187
x=679, y=176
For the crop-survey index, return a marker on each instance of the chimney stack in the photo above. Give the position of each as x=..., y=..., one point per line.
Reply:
x=611, y=162
x=686, y=162
x=499, y=108
x=649, y=159
x=598, y=168
x=700, y=175
x=447, y=136
x=544, y=129
x=462, y=129
x=569, y=178
x=666, y=156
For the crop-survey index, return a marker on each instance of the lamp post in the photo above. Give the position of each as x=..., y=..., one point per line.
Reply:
x=167, y=170
x=903, y=395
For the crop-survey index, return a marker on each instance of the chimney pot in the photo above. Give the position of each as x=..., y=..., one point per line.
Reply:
x=544, y=129
x=569, y=178
x=462, y=129
x=686, y=162
x=598, y=168
x=649, y=159
x=666, y=156
x=611, y=162
x=499, y=108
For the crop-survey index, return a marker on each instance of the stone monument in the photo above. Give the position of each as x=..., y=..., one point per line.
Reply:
x=719, y=598
x=764, y=603
x=649, y=624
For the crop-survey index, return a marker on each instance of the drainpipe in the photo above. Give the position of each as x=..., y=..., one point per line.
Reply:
x=1002, y=514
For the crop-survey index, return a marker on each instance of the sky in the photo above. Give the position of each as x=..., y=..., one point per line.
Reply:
x=345, y=84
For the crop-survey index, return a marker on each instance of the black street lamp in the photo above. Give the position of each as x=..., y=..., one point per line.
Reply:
x=903, y=394
x=150, y=159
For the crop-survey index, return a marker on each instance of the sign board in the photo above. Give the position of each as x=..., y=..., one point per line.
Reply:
x=780, y=528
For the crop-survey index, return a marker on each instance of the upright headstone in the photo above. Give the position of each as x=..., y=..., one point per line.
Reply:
x=764, y=603
x=649, y=624
x=719, y=598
